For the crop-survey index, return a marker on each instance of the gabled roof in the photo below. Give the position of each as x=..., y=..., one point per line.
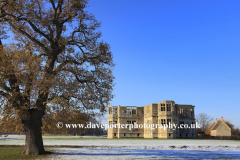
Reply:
x=216, y=126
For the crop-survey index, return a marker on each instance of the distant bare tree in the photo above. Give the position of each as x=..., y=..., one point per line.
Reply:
x=204, y=121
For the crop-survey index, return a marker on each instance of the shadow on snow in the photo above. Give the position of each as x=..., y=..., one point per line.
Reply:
x=138, y=153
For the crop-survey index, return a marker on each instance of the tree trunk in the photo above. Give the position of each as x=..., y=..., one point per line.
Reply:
x=33, y=131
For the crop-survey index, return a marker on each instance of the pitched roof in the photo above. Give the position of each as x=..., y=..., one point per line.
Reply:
x=216, y=126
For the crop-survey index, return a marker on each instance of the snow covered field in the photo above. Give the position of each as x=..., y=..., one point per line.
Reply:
x=94, y=148
x=66, y=153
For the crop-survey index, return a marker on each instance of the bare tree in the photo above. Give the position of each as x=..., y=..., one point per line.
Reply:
x=204, y=121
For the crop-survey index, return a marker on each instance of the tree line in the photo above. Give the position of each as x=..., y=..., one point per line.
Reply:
x=10, y=123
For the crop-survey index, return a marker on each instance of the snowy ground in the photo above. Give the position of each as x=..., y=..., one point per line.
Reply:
x=110, y=154
x=94, y=148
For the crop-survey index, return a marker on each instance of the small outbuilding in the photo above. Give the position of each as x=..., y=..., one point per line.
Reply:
x=220, y=129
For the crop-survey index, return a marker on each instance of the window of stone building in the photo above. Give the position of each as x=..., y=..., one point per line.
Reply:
x=134, y=123
x=115, y=134
x=110, y=122
x=162, y=104
x=114, y=110
x=163, y=121
x=128, y=110
x=133, y=110
x=124, y=134
x=169, y=121
x=162, y=108
x=181, y=111
x=169, y=135
x=110, y=110
x=138, y=135
x=169, y=108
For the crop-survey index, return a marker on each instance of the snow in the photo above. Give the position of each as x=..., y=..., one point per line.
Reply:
x=80, y=153
x=95, y=148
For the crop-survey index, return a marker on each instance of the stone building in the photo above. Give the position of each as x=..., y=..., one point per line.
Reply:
x=220, y=129
x=158, y=114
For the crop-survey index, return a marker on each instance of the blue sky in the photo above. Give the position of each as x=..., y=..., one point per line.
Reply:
x=187, y=51
x=182, y=50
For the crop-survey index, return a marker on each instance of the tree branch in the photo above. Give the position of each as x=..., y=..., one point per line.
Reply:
x=31, y=38
x=61, y=96
x=33, y=27
x=40, y=32
x=76, y=76
x=53, y=5
x=60, y=67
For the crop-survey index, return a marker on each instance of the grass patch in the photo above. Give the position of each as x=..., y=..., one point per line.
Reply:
x=77, y=138
x=184, y=147
x=14, y=152
x=172, y=147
